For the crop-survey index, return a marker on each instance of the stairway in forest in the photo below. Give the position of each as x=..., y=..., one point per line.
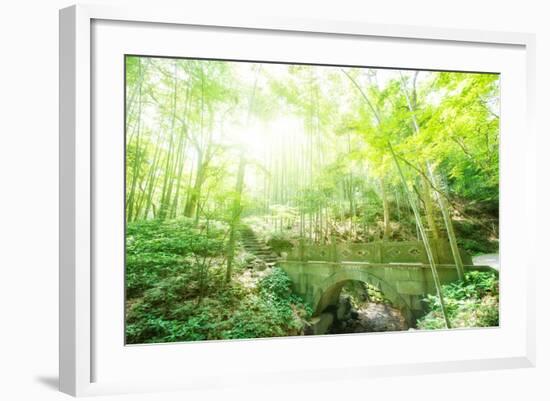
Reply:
x=254, y=246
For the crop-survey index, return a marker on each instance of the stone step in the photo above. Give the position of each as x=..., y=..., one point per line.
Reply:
x=258, y=246
x=266, y=257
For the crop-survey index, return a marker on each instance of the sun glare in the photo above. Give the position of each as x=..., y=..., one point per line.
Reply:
x=266, y=199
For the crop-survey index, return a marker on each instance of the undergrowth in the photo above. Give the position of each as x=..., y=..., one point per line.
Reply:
x=473, y=302
x=176, y=289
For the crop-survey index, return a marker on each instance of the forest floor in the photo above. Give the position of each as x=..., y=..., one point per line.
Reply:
x=176, y=289
x=371, y=317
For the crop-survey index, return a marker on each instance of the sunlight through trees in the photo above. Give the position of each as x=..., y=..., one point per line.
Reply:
x=317, y=154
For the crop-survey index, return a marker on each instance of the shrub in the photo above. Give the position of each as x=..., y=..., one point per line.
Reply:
x=474, y=239
x=173, y=311
x=280, y=242
x=176, y=289
x=158, y=249
x=273, y=311
x=471, y=303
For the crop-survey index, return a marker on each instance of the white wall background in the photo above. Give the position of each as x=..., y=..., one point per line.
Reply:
x=29, y=214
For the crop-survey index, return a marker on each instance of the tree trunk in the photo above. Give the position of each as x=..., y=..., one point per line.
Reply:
x=151, y=180
x=442, y=204
x=428, y=204
x=386, y=207
x=137, y=158
x=175, y=202
x=449, y=227
x=170, y=163
x=194, y=196
x=425, y=240
x=235, y=218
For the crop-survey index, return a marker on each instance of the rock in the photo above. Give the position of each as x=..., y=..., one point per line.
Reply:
x=344, y=309
x=373, y=317
x=257, y=264
x=320, y=324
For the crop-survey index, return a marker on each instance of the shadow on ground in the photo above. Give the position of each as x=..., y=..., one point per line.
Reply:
x=52, y=382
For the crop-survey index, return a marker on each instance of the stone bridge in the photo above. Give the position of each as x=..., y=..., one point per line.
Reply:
x=400, y=270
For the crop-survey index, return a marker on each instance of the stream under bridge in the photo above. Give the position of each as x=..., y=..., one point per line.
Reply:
x=400, y=270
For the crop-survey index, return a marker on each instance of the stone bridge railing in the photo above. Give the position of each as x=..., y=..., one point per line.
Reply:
x=403, y=252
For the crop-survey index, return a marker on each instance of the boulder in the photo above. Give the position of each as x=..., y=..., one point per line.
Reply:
x=344, y=309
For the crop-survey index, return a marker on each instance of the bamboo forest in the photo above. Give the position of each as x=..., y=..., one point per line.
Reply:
x=266, y=199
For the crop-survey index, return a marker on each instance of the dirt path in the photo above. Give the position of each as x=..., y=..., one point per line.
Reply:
x=490, y=259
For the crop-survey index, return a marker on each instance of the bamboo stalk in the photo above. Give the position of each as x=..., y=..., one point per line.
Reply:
x=425, y=239
x=450, y=229
x=430, y=179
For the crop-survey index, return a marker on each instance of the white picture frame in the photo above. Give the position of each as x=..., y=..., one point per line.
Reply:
x=78, y=368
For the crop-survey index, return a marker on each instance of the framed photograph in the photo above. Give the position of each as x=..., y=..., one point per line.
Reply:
x=277, y=199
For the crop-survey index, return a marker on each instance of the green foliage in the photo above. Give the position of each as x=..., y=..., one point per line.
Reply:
x=158, y=249
x=361, y=293
x=177, y=237
x=278, y=239
x=206, y=110
x=273, y=311
x=479, y=233
x=314, y=146
x=280, y=242
x=471, y=303
x=178, y=308
x=276, y=285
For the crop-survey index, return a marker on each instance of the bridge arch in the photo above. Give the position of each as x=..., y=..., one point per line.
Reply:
x=328, y=291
